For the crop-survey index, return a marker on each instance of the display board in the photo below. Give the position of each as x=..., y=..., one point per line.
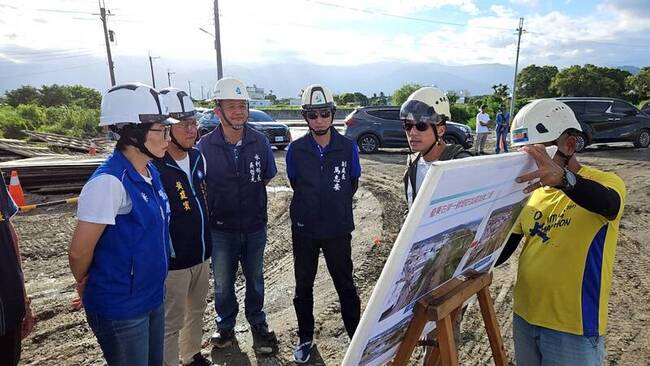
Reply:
x=459, y=222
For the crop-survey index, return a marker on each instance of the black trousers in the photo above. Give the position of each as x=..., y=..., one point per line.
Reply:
x=10, y=347
x=338, y=257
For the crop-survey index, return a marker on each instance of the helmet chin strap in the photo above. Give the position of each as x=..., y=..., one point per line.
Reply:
x=177, y=143
x=233, y=126
x=436, y=141
x=320, y=132
x=564, y=156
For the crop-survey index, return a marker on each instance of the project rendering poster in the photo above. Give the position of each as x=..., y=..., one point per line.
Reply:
x=460, y=220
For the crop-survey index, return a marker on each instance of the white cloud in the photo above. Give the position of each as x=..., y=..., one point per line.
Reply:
x=279, y=31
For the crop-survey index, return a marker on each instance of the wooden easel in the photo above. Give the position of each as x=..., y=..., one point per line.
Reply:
x=443, y=309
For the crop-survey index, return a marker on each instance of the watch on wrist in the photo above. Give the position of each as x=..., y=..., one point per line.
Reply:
x=568, y=180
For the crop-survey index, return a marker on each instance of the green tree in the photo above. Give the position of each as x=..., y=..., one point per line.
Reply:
x=272, y=97
x=638, y=86
x=400, y=95
x=360, y=99
x=584, y=81
x=54, y=95
x=84, y=97
x=452, y=97
x=501, y=92
x=24, y=95
x=534, y=81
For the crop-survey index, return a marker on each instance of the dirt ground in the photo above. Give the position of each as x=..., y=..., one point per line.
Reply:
x=63, y=337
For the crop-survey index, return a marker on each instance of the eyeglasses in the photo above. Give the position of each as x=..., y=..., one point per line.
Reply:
x=420, y=126
x=165, y=131
x=188, y=126
x=314, y=114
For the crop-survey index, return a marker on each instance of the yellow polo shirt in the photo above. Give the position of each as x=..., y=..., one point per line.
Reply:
x=565, y=267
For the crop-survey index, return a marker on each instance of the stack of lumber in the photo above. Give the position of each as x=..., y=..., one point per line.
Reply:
x=18, y=149
x=71, y=143
x=53, y=174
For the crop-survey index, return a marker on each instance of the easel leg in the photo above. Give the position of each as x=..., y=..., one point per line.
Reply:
x=413, y=333
x=432, y=355
x=492, y=327
x=447, y=346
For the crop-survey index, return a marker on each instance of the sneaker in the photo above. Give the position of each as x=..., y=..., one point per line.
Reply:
x=264, y=340
x=199, y=360
x=223, y=338
x=302, y=353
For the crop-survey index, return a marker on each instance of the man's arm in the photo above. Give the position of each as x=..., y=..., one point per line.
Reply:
x=509, y=248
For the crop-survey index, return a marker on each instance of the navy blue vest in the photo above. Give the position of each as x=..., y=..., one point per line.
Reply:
x=236, y=194
x=321, y=207
x=127, y=276
x=189, y=231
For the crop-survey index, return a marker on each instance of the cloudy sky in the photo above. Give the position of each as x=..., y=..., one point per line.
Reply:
x=333, y=32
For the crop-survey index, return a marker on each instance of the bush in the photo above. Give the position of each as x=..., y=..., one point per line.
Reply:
x=33, y=113
x=11, y=123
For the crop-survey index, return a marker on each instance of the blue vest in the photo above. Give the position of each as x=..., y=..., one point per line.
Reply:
x=189, y=231
x=321, y=207
x=236, y=194
x=127, y=276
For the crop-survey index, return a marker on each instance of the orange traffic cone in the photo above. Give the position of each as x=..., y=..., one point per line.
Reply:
x=15, y=190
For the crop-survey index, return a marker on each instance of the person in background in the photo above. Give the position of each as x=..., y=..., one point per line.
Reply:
x=182, y=172
x=502, y=128
x=119, y=251
x=16, y=317
x=482, y=130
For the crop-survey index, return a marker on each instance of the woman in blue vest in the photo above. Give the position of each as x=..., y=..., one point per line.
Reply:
x=323, y=169
x=120, y=248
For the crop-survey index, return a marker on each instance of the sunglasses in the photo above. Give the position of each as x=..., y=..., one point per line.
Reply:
x=165, y=131
x=420, y=126
x=313, y=114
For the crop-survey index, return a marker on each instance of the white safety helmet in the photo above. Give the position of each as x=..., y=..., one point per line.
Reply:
x=427, y=104
x=230, y=88
x=317, y=96
x=542, y=121
x=133, y=103
x=179, y=104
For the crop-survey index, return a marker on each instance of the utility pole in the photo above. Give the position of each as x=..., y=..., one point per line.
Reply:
x=102, y=15
x=189, y=87
x=520, y=30
x=217, y=39
x=202, y=95
x=153, y=78
x=169, y=77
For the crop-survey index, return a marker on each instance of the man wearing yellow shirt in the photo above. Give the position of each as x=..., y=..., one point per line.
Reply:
x=570, y=231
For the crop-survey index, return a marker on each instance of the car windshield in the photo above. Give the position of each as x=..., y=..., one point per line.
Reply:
x=259, y=116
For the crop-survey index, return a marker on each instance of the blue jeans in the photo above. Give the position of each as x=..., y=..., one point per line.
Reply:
x=136, y=341
x=228, y=250
x=536, y=345
x=502, y=134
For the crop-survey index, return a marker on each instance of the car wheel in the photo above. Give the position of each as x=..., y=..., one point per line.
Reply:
x=451, y=140
x=642, y=139
x=368, y=143
x=581, y=142
x=281, y=147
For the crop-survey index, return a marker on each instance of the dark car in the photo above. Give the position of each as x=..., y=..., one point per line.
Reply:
x=609, y=120
x=376, y=127
x=645, y=108
x=277, y=133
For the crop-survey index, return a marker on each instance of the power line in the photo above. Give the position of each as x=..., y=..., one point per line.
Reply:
x=404, y=17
